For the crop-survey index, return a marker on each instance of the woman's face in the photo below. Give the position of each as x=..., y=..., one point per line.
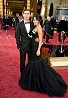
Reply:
x=35, y=21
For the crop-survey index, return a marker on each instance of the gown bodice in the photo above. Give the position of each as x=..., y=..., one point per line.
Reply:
x=35, y=47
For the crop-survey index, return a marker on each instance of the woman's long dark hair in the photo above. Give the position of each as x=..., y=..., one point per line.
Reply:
x=38, y=17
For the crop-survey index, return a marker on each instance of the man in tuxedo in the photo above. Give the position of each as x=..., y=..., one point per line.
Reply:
x=62, y=29
x=48, y=28
x=23, y=39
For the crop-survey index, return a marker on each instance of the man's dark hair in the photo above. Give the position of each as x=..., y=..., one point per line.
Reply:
x=26, y=10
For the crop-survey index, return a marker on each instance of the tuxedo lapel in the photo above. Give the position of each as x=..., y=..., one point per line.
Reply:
x=31, y=26
x=24, y=28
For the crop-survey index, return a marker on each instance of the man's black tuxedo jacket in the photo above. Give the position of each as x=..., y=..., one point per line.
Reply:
x=22, y=39
x=48, y=27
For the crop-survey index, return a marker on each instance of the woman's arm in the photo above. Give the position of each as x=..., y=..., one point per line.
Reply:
x=40, y=34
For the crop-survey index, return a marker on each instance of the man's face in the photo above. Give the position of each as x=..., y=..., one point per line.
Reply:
x=48, y=18
x=26, y=15
x=17, y=14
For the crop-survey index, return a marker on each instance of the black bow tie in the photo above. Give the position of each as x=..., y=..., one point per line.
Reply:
x=27, y=22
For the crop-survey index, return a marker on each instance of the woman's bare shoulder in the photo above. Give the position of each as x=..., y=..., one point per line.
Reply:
x=39, y=28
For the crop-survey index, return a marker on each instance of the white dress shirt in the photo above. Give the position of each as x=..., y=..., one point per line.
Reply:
x=27, y=26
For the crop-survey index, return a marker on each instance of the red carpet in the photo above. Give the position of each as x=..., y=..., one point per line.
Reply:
x=9, y=70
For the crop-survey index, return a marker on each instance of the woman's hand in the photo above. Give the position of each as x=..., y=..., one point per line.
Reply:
x=38, y=53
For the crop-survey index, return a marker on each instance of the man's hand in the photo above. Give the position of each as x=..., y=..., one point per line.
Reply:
x=37, y=39
x=18, y=49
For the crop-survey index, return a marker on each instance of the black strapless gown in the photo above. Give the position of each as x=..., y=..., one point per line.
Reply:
x=39, y=76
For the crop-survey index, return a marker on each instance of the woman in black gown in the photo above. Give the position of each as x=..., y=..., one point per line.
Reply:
x=38, y=75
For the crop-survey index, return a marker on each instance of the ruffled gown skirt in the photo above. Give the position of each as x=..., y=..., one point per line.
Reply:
x=39, y=76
